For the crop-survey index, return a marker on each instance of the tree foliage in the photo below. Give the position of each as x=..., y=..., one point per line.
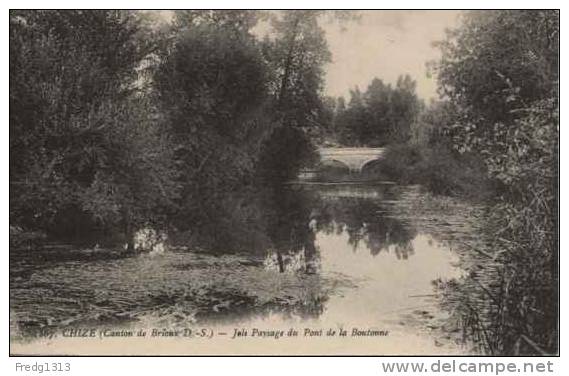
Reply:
x=212, y=86
x=381, y=115
x=498, y=62
x=81, y=138
x=499, y=71
x=297, y=55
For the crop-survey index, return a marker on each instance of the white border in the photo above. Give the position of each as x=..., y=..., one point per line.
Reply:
x=245, y=366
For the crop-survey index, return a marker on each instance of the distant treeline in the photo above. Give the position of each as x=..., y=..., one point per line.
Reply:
x=381, y=115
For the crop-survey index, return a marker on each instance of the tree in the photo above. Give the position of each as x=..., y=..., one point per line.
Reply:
x=498, y=62
x=381, y=115
x=353, y=120
x=405, y=108
x=212, y=85
x=499, y=71
x=496, y=70
x=237, y=22
x=378, y=101
x=74, y=113
x=296, y=56
x=432, y=124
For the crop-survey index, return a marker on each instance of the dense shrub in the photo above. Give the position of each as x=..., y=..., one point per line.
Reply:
x=85, y=148
x=500, y=71
x=439, y=170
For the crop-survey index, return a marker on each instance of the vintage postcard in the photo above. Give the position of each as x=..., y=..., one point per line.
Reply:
x=294, y=182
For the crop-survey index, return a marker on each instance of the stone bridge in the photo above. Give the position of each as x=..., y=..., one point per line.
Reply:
x=353, y=158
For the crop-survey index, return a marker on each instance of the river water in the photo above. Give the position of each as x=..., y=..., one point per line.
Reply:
x=352, y=268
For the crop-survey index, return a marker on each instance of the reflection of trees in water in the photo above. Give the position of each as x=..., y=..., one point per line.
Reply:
x=288, y=224
x=285, y=222
x=368, y=221
x=257, y=220
x=291, y=217
x=275, y=219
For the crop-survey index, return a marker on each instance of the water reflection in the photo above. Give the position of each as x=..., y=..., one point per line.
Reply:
x=289, y=215
x=367, y=220
x=296, y=215
x=330, y=253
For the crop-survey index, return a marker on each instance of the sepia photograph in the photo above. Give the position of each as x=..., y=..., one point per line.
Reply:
x=284, y=182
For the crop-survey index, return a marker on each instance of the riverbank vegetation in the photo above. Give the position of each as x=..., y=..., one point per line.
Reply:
x=120, y=120
x=493, y=136
x=500, y=72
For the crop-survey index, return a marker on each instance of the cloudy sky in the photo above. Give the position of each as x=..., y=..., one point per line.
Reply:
x=385, y=44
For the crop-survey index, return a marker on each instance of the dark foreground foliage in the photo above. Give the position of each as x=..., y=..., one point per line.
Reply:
x=503, y=85
x=119, y=121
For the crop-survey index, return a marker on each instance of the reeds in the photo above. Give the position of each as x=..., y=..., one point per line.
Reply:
x=507, y=304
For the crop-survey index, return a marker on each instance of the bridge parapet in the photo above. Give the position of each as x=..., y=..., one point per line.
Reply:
x=354, y=158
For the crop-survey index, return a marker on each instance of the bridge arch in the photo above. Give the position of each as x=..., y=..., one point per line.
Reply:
x=353, y=158
x=333, y=163
x=369, y=163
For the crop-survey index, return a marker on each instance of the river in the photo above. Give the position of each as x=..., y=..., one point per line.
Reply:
x=352, y=268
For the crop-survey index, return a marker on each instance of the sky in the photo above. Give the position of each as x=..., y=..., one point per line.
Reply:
x=385, y=44
x=382, y=44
